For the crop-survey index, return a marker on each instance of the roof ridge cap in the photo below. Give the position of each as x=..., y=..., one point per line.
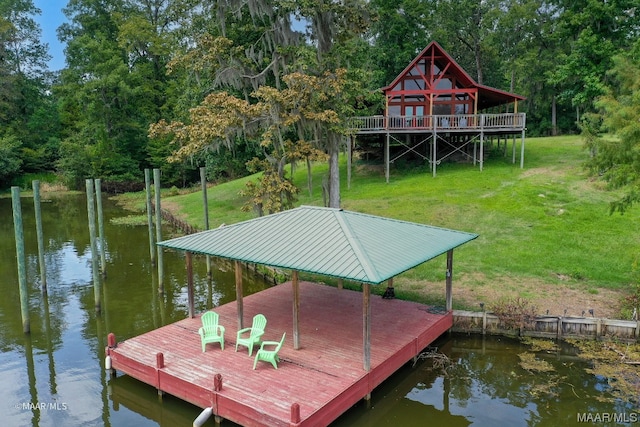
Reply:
x=361, y=255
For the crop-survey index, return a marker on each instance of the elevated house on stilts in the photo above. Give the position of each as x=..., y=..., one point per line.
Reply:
x=435, y=111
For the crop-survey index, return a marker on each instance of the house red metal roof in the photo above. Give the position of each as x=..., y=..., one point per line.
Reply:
x=434, y=53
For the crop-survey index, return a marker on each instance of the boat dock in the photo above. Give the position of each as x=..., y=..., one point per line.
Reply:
x=313, y=385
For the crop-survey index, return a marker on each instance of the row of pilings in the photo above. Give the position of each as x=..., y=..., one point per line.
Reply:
x=96, y=235
x=94, y=203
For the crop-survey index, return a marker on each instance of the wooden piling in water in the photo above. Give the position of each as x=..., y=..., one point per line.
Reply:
x=91, y=214
x=152, y=242
x=203, y=181
x=190, y=295
x=156, y=183
x=37, y=208
x=103, y=257
x=22, y=270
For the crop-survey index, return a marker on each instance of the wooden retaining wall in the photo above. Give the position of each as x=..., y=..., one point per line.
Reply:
x=175, y=222
x=557, y=327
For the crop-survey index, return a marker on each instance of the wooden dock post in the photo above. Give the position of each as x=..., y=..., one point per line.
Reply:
x=159, y=360
x=366, y=326
x=296, y=309
x=205, y=202
x=559, y=327
x=152, y=240
x=295, y=414
x=159, y=365
x=36, y=205
x=91, y=213
x=239, y=302
x=449, y=280
x=111, y=340
x=22, y=270
x=217, y=382
x=190, y=296
x=484, y=321
x=156, y=183
x=103, y=258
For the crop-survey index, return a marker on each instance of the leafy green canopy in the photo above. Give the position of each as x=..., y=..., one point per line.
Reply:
x=268, y=85
x=616, y=156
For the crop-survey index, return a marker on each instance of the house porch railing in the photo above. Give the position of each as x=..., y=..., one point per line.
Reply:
x=443, y=123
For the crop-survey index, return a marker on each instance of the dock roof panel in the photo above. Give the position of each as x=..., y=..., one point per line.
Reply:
x=328, y=241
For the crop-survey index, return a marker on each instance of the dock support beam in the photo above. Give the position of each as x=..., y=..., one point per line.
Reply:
x=296, y=309
x=159, y=365
x=449, y=280
x=190, y=296
x=239, y=295
x=366, y=325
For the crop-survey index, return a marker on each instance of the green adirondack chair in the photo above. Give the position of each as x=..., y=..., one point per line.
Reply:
x=211, y=332
x=269, y=355
x=249, y=337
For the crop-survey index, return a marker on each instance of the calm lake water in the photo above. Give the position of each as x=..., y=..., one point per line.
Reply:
x=54, y=376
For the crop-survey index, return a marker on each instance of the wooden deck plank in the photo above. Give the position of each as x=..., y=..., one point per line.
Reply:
x=325, y=376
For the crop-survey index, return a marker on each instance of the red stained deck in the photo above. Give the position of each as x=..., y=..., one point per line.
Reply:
x=325, y=376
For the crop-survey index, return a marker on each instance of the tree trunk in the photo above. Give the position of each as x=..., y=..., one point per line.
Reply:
x=554, y=117
x=309, y=177
x=334, y=172
x=478, y=57
x=512, y=85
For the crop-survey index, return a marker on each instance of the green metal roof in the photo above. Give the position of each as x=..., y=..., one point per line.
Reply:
x=327, y=241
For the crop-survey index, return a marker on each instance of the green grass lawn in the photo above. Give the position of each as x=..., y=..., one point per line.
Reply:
x=548, y=222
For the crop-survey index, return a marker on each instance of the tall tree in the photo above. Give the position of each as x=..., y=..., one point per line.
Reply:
x=9, y=89
x=616, y=155
x=400, y=31
x=243, y=62
x=592, y=32
x=115, y=82
x=23, y=91
x=463, y=28
x=22, y=47
x=530, y=49
x=98, y=91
